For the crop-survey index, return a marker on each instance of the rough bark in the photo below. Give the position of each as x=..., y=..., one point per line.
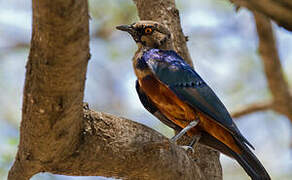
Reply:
x=57, y=135
x=278, y=10
x=117, y=147
x=53, y=93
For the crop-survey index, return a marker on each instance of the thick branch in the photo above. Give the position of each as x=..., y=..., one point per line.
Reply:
x=252, y=108
x=272, y=66
x=116, y=147
x=54, y=84
x=278, y=10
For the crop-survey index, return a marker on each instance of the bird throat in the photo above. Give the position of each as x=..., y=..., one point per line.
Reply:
x=140, y=67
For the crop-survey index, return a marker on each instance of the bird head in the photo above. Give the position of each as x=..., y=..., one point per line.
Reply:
x=149, y=34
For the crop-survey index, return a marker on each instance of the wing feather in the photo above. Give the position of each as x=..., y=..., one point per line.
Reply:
x=169, y=68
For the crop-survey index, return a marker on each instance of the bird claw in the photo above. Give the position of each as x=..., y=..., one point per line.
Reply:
x=188, y=148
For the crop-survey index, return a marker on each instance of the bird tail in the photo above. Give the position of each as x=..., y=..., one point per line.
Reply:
x=246, y=158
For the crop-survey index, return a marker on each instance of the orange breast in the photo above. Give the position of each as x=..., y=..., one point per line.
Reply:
x=181, y=113
x=167, y=102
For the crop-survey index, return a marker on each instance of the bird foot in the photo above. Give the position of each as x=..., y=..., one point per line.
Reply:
x=188, y=148
x=184, y=130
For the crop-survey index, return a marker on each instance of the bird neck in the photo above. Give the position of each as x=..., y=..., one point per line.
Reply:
x=166, y=46
x=139, y=70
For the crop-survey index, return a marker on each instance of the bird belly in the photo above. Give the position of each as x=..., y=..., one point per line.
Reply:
x=181, y=113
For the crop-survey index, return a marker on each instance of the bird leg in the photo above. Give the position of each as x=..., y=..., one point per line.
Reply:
x=184, y=130
x=193, y=143
x=195, y=140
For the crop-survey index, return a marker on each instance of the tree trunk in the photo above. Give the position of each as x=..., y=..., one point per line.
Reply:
x=57, y=135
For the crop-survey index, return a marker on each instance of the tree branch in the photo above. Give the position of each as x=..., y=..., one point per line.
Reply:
x=54, y=84
x=252, y=108
x=281, y=96
x=272, y=66
x=117, y=147
x=278, y=10
x=57, y=136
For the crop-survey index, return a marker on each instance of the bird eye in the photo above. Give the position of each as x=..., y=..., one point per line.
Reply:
x=148, y=30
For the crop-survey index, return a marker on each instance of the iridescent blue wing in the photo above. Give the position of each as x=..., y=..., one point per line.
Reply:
x=170, y=69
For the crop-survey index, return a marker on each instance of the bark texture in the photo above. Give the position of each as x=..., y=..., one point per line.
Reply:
x=60, y=136
x=117, y=147
x=54, y=84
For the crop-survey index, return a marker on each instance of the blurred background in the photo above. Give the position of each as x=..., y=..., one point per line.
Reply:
x=222, y=43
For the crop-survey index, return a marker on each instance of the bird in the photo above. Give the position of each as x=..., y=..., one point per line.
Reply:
x=174, y=92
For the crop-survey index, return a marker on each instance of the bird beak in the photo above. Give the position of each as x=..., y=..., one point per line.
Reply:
x=130, y=30
x=126, y=28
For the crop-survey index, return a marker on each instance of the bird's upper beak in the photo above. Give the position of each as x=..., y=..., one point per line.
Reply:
x=130, y=30
x=125, y=28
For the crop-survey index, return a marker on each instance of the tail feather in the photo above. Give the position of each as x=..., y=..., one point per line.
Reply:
x=246, y=159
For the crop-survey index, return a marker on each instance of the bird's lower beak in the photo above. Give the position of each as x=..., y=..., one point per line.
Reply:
x=125, y=28
x=130, y=30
